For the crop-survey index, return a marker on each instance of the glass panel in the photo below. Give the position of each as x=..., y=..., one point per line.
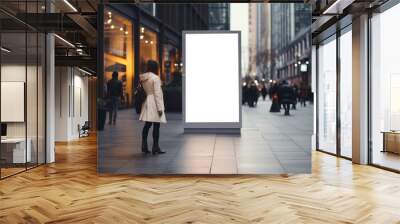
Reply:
x=171, y=62
x=346, y=94
x=119, y=56
x=148, y=47
x=327, y=97
x=32, y=98
x=385, y=84
x=13, y=87
x=171, y=73
x=41, y=98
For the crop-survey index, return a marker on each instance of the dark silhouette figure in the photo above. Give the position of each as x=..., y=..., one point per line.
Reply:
x=303, y=96
x=173, y=94
x=273, y=94
x=253, y=95
x=245, y=94
x=114, y=93
x=286, y=96
x=295, y=96
x=264, y=92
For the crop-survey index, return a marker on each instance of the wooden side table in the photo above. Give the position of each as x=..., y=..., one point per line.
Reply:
x=391, y=141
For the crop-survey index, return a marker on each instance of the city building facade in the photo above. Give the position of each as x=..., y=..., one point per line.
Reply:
x=219, y=16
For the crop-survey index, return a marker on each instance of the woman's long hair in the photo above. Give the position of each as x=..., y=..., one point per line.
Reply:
x=152, y=66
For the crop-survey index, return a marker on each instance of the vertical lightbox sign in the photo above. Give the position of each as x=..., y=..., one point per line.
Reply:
x=212, y=81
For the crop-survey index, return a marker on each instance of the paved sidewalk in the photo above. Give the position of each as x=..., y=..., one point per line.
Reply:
x=270, y=143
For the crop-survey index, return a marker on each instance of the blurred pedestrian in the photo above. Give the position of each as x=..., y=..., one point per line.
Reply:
x=273, y=94
x=253, y=94
x=303, y=95
x=295, y=96
x=114, y=94
x=286, y=96
x=244, y=93
x=264, y=91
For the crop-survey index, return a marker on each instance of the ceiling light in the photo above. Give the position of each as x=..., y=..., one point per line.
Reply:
x=121, y=29
x=65, y=41
x=109, y=21
x=126, y=32
x=151, y=42
x=5, y=50
x=112, y=26
x=109, y=13
x=335, y=8
x=70, y=5
x=79, y=50
x=146, y=41
x=141, y=37
x=142, y=29
x=84, y=71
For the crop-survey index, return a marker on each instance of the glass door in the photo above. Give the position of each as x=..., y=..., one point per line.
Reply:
x=346, y=93
x=327, y=96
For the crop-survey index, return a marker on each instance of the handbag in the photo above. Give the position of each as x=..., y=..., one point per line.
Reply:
x=140, y=97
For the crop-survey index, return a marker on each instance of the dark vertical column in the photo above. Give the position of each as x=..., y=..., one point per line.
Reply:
x=26, y=86
x=100, y=51
x=369, y=90
x=160, y=48
x=338, y=81
x=317, y=97
x=136, y=48
x=0, y=93
x=100, y=62
x=37, y=90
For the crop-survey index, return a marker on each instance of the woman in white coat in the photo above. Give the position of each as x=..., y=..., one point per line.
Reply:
x=152, y=112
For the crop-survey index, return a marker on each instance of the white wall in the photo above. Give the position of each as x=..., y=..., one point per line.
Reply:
x=71, y=102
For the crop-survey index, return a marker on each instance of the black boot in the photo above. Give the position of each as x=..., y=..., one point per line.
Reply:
x=157, y=150
x=156, y=136
x=145, y=132
x=145, y=149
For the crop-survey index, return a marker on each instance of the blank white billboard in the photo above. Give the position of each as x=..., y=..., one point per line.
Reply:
x=212, y=77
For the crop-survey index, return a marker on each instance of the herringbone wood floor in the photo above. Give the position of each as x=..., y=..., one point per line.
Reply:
x=70, y=191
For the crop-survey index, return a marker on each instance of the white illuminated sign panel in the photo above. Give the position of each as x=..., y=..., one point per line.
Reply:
x=212, y=96
x=303, y=68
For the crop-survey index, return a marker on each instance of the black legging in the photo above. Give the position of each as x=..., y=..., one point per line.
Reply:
x=156, y=132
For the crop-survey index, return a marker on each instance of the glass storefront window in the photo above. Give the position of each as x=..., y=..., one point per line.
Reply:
x=346, y=94
x=173, y=79
x=148, y=47
x=385, y=89
x=118, y=52
x=327, y=96
x=170, y=61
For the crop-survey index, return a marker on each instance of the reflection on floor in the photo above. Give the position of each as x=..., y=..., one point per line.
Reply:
x=387, y=159
x=5, y=172
x=270, y=143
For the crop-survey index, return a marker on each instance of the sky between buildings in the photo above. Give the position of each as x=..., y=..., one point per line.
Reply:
x=239, y=20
